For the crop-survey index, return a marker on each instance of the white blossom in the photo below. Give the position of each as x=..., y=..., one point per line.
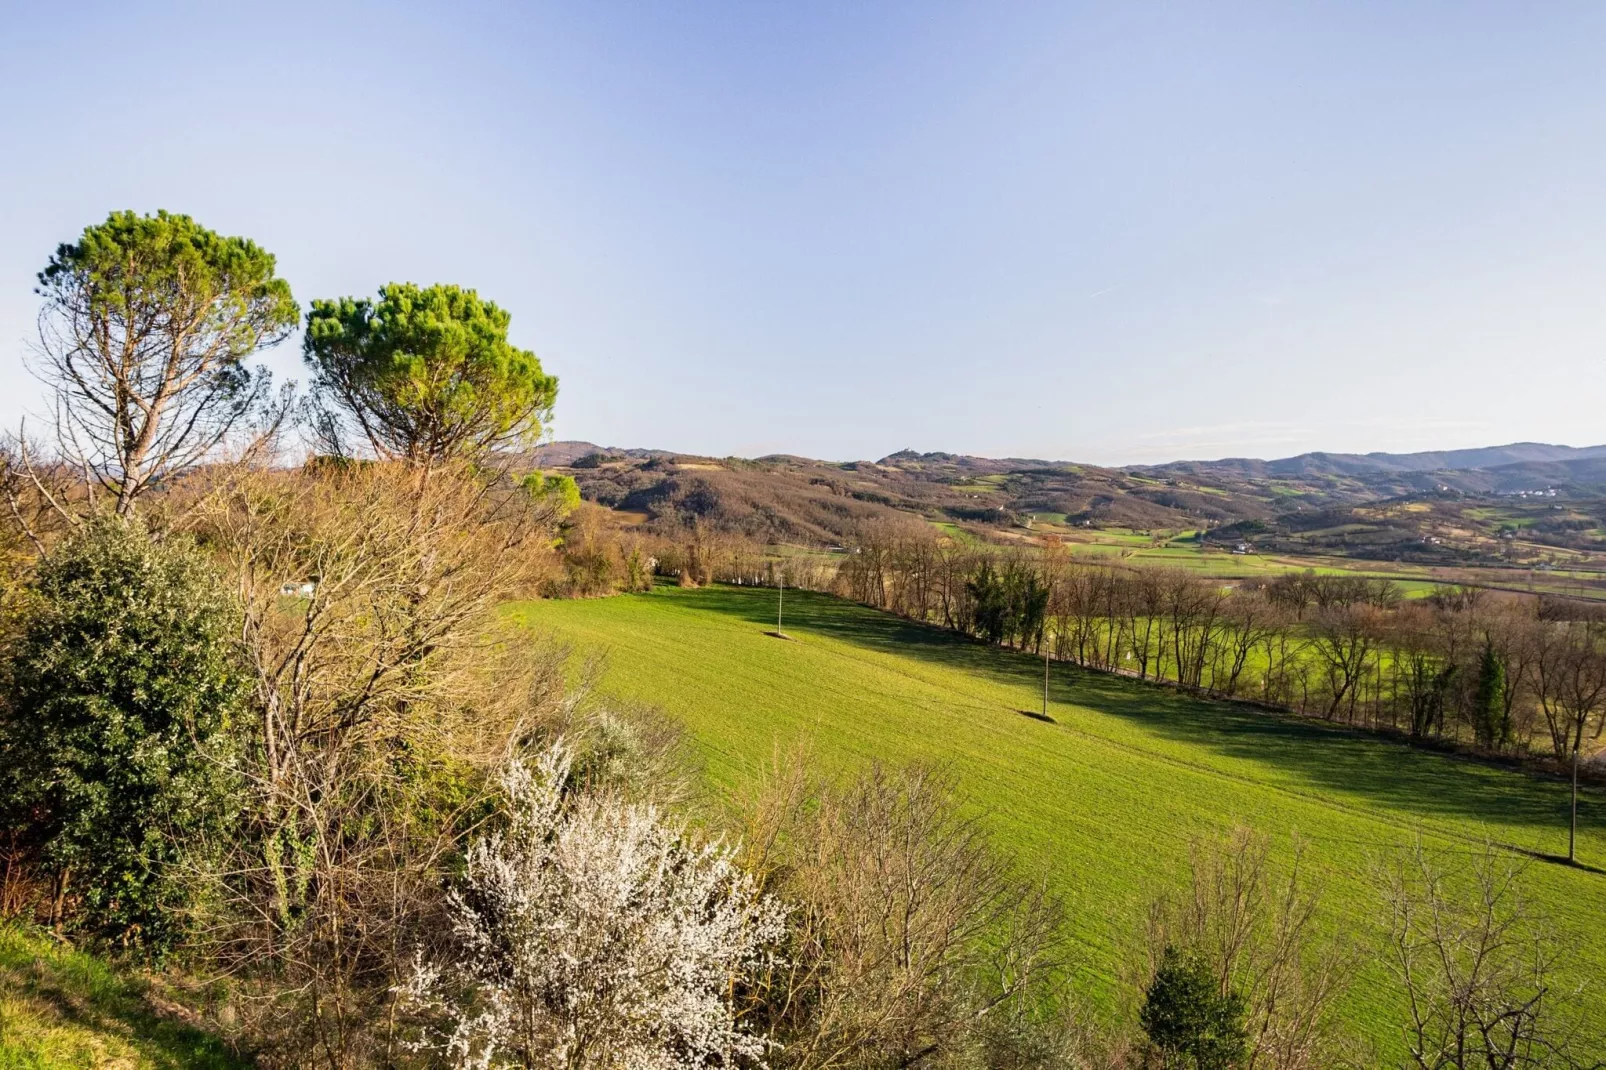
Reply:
x=591, y=933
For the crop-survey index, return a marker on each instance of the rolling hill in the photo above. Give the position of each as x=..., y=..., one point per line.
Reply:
x=1522, y=505
x=1468, y=460
x=1105, y=799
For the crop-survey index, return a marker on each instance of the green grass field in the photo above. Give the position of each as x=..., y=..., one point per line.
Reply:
x=1108, y=797
x=956, y=533
x=1174, y=549
x=65, y=1008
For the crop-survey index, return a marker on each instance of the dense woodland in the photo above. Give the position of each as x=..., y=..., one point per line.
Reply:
x=265, y=733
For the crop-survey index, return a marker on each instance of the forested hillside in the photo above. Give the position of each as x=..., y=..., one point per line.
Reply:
x=1522, y=506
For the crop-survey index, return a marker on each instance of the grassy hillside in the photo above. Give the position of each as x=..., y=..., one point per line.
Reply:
x=1106, y=798
x=64, y=1008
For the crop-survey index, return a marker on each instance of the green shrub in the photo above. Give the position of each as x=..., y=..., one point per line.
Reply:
x=1187, y=1016
x=114, y=755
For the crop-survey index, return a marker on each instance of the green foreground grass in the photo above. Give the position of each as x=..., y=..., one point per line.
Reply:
x=65, y=1008
x=1107, y=798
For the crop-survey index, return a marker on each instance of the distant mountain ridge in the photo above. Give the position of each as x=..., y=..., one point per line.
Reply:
x=1472, y=459
x=1498, y=504
x=1305, y=464
x=1321, y=462
x=565, y=453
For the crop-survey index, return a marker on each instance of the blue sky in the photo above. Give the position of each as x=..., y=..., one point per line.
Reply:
x=1111, y=233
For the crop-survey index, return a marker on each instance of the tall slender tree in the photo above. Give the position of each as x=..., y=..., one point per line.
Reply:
x=1491, y=717
x=146, y=326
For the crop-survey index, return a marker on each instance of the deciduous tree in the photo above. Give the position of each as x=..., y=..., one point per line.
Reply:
x=589, y=932
x=1476, y=966
x=1271, y=982
x=910, y=936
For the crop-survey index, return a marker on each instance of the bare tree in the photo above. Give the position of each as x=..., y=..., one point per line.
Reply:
x=1423, y=672
x=383, y=681
x=1570, y=667
x=1250, y=620
x=1345, y=639
x=1477, y=967
x=1142, y=602
x=1194, y=607
x=1510, y=628
x=1257, y=931
x=911, y=936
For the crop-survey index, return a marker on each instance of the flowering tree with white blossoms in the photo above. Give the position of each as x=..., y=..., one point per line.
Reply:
x=591, y=933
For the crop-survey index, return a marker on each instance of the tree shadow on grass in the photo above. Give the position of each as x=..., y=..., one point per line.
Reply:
x=55, y=984
x=1330, y=761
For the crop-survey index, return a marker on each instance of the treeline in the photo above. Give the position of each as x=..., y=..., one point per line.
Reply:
x=602, y=556
x=1503, y=673
x=1506, y=674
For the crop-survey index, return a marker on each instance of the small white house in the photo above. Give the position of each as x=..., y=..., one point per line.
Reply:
x=298, y=590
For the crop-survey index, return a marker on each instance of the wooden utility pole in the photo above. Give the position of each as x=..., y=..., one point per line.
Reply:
x=1572, y=827
x=780, y=598
x=1047, y=604
x=1050, y=562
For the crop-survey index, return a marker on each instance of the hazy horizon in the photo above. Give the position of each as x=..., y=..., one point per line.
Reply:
x=669, y=448
x=1115, y=235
